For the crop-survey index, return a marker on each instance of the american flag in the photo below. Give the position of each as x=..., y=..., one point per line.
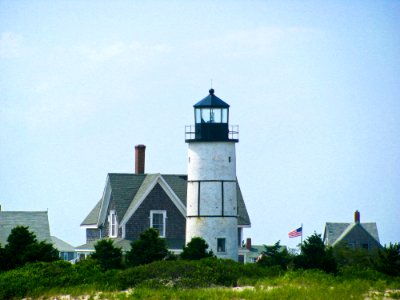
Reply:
x=295, y=233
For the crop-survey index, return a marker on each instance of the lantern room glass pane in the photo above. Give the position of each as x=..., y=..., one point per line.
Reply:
x=224, y=115
x=205, y=115
x=216, y=115
x=198, y=115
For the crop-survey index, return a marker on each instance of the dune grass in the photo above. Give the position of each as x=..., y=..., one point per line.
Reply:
x=290, y=285
x=206, y=279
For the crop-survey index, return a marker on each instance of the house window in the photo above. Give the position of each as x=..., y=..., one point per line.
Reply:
x=113, y=224
x=240, y=234
x=365, y=246
x=221, y=245
x=157, y=221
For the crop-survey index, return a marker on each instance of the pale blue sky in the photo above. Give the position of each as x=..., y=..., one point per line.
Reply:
x=313, y=85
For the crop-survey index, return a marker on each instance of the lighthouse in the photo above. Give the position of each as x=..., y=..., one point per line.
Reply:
x=212, y=206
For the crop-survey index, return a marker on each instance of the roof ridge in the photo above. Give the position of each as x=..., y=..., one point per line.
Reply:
x=24, y=211
x=344, y=233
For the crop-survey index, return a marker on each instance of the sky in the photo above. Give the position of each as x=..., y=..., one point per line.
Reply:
x=313, y=85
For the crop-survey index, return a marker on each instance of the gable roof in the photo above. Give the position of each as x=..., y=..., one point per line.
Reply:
x=61, y=245
x=128, y=190
x=93, y=216
x=37, y=221
x=123, y=188
x=146, y=187
x=335, y=232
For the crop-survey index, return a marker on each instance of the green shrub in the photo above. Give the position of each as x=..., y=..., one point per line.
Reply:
x=275, y=255
x=108, y=256
x=314, y=255
x=388, y=260
x=196, y=249
x=148, y=248
x=33, y=277
x=361, y=258
x=22, y=247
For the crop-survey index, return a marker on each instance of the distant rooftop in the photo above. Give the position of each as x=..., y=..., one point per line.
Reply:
x=37, y=221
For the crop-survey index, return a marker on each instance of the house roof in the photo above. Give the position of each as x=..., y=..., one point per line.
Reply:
x=335, y=232
x=61, y=245
x=243, y=216
x=37, y=221
x=127, y=190
x=92, y=217
x=256, y=250
x=125, y=245
x=123, y=188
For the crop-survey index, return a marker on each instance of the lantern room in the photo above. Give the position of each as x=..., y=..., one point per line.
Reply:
x=211, y=116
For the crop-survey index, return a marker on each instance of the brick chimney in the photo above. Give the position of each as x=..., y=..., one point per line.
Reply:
x=248, y=243
x=139, y=158
x=356, y=216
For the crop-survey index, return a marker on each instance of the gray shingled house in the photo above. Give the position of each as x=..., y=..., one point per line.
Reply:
x=355, y=235
x=67, y=251
x=38, y=223
x=131, y=203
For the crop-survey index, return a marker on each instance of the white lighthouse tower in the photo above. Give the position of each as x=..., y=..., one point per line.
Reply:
x=212, y=210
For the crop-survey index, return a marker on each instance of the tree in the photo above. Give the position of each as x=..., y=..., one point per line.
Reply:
x=361, y=258
x=22, y=247
x=3, y=259
x=275, y=255
x=196, y=249
x=148, y=248
x=388, y=260
x=108, y=256
x=314, y=255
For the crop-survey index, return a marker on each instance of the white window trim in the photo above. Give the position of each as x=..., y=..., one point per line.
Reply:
x=164, y=213
x=112, y=212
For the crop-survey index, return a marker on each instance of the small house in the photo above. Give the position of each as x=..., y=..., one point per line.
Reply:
x=354, y=235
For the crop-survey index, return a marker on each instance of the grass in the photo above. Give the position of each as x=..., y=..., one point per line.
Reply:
x=291, y=285
x=206, y=279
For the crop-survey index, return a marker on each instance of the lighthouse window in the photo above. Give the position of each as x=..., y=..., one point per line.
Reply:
x=221, y=245
x=157, y=221
x=224, y=115
x=198, y=115
x=205, y=115
x=216, y=115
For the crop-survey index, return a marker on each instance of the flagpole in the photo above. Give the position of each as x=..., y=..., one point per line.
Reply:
x=301, y=241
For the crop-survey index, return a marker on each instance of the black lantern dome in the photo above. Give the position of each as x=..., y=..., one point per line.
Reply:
x=211, y=116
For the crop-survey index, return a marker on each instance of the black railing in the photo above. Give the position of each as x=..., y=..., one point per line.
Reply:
x=190, y=133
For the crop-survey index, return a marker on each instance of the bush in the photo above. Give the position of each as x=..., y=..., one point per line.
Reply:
x=34, y=277
x=22, y=247
x=314, y=255
x=275, y=255
x=148, y=248
x=388, y=260
x=108, y=256
x=196, y=249
x=361, y=258
x=190, y=273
